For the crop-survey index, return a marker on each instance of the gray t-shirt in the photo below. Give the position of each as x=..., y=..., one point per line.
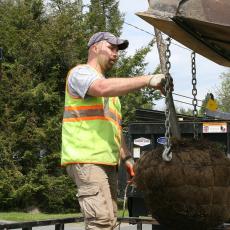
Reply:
x=79, y=80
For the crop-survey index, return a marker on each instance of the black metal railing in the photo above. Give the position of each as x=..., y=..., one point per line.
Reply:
x=60, y=223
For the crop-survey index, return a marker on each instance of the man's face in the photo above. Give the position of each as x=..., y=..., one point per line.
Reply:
x=107, y=55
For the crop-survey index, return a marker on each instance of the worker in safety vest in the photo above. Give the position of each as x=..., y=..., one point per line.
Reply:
x=211, y=103
x=92, y=142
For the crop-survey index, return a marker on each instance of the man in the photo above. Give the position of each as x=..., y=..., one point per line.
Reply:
x=92, y=141
x=211, y=103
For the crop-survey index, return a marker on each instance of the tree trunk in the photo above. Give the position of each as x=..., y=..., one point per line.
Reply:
x=175, y=129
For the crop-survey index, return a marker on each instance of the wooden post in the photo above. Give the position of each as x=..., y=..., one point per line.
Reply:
x=59, y=226
x=175, y=129
x=139, y=226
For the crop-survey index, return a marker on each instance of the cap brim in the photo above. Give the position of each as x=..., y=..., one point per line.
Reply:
x=120, y=43
x=123, y=45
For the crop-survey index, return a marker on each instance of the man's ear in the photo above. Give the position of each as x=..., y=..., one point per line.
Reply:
x=95, y=48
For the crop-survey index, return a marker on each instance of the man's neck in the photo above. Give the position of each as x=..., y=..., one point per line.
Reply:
x=96, y=66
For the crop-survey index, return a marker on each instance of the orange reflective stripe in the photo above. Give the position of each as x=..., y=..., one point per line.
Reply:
x=117, y=140
x=92, y=107
x=76, y=119
x=113, y=116
x=116, y=114
x=87, y=107
x=73, y=113
x=76, y=115
x=83, y=118
x=83, y=113
x=114, y=121
x=87, y=162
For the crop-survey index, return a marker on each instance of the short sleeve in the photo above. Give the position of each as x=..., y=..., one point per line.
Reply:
x=80, y=79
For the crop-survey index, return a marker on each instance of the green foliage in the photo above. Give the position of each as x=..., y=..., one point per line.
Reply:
x=46, y=192
x=41, y=42
x=135, y=66
x=37, y=189
x=105, y=16
x=186, y=111
x=10, y=181
x=223, y=93
x=203, y=105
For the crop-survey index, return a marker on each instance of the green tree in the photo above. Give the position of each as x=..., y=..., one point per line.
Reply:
x=203, y=105
x=37, y=54
x=223, y=93
x=187, y=111
x=105, y=16
x=41, y=42
x=135, y=66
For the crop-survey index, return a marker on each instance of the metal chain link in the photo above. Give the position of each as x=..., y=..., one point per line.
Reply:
x=194, y=93
x=167, y=154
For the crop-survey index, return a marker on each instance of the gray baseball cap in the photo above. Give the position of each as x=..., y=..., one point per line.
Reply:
x=110, y=38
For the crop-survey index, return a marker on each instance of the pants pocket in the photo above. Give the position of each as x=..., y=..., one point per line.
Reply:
x=92, y=202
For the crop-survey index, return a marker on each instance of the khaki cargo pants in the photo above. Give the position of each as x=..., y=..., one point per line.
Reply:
x=97, y=194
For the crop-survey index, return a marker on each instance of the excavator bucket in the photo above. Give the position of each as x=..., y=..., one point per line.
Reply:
x=201, y=25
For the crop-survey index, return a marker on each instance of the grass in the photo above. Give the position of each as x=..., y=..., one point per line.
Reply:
x=23, y=216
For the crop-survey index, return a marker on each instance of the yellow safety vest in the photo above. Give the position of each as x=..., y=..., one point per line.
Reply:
x=212, y=105
x=91, y=130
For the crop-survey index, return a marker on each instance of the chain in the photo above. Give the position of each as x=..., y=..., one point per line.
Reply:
x=194, y=93
x=167, y=154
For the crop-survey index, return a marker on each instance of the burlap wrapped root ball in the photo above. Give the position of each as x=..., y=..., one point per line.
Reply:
x=192, y=190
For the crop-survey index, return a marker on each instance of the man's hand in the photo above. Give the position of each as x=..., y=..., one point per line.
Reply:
x=129, y=164
x=158, y=81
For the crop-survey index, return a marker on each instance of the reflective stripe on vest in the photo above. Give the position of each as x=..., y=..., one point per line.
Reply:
x=77, y=113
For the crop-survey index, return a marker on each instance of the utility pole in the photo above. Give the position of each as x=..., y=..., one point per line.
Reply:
x=173, y=117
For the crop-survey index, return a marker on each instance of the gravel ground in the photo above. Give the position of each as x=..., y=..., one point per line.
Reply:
x=80, y=226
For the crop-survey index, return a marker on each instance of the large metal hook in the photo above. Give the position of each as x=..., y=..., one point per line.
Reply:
x=167, y=154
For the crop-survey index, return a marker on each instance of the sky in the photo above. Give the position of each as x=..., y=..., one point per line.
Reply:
x=208, y=72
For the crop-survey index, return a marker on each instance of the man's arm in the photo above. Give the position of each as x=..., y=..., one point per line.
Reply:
x=126, y=157
x=121, y=86
x=124, y=151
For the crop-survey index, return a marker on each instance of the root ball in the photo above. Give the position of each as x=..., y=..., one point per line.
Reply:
x=192, y=191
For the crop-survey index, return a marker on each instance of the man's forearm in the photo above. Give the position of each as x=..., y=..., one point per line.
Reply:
x=117, y=86
x=124, y=151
